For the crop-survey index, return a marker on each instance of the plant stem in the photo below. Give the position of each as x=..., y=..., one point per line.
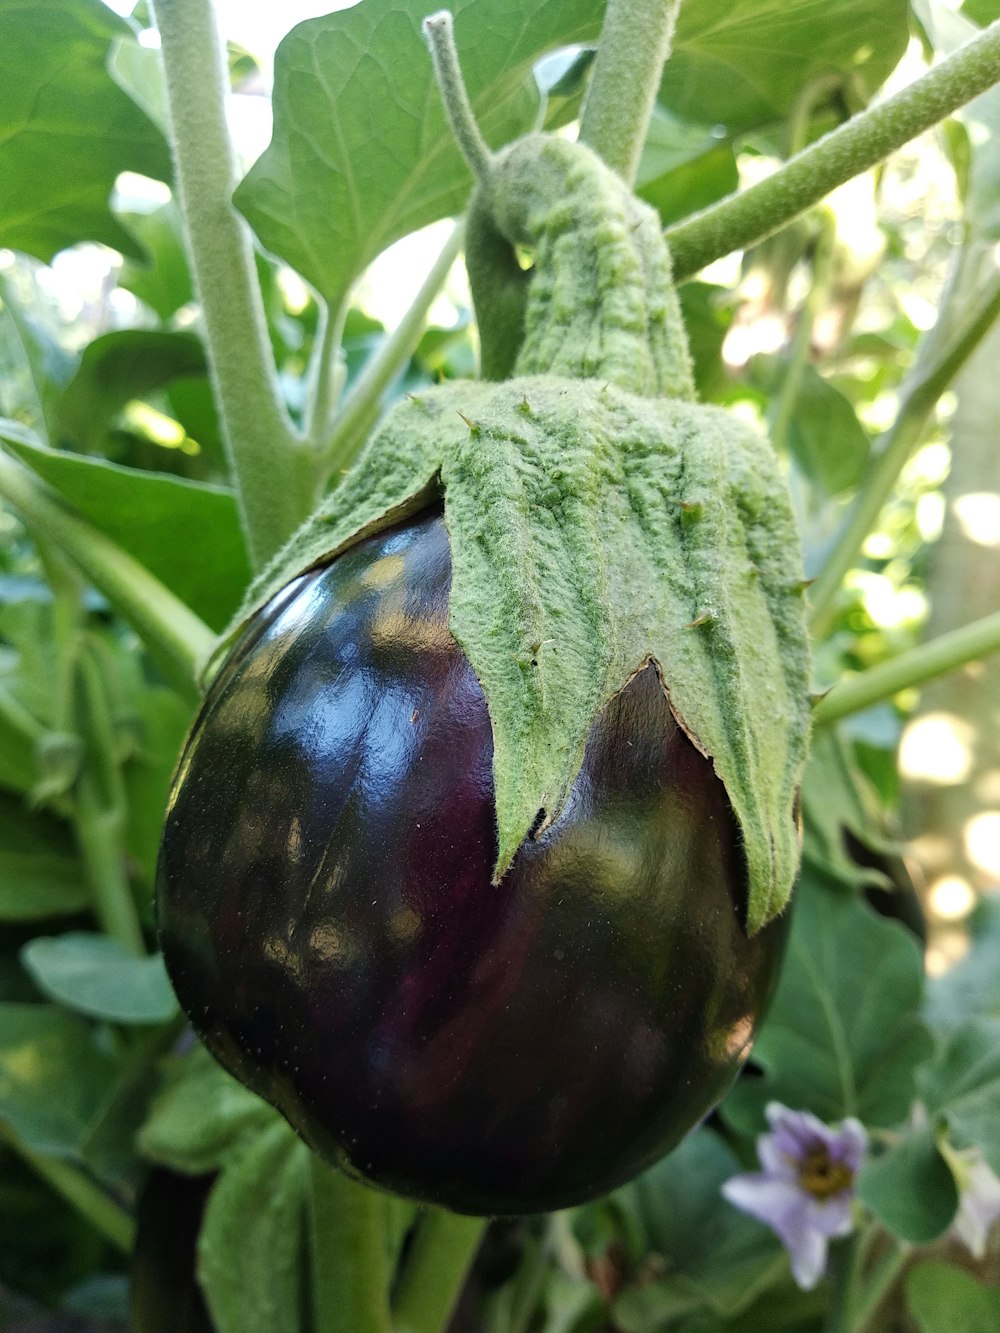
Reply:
x=326, y=378
x=440, y=36
x=934, y=370
x=633, y=48
x=874, y=1292
x=99, y=815
x=845, y=1262
x=84, y=1194
x=350, y=1276
x=913, y=667
x=866, y=139
x=362, y=403
x=435, y=1271
x=173, y=633
x=273, y=472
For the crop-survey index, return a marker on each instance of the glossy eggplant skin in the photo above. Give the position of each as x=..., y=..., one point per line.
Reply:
x=328, y=919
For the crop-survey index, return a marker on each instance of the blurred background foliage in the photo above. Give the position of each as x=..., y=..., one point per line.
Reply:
x=112, y=1129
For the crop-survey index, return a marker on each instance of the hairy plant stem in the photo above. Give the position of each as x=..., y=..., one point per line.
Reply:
x=440, y=36
x=273, y=471
x=938, y=362
x=174, y=634
x=326, y=377
x=82, y=1193
x=435, y=1271
x=361, y=404
x=913, y=667
x=633, y=48
x=350, y=1271
x=744, y=219
x=101, y=812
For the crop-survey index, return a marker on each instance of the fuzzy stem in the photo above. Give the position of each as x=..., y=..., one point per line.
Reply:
x=326, y=378
x=84, y=1194
x=435, y=1271
x=913, y=667
x=763, y=209
x=100, y=813
x=350, y=1277
x=272, y=471
x=173, y=633
x=362, y=402
x=934, y=371
x=633, y=48
x=440, y=36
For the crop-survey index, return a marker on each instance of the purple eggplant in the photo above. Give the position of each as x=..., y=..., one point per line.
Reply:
x=328, y=917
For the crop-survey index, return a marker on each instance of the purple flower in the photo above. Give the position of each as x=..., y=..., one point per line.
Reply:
x=979, y=1198
x=805, y=1192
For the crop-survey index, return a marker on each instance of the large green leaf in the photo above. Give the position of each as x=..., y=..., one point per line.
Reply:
x=40, y=875
x=943, y=1299
x=717, y=1258
x=66, y=128
x=54, y=1077
x=202, y=1118
x=744, y=63
x=116, y=368
x=186, y=533
x=361, y=153
x=250, y=1246
x=962, y=1087
x=911, y=1189
x=844, y=1036
x=97, y=976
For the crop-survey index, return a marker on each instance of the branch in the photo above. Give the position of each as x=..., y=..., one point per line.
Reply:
x=271, y=468
x=914, y=667
x=763, y=209
x=633, y=48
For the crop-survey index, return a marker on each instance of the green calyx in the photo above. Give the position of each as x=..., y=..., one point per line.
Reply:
x=599, y=518
x=600, y=301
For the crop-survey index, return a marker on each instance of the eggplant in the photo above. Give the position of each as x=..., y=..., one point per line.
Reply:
x=328, y=915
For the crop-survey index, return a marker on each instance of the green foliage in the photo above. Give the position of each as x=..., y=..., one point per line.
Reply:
x=55, y=181
x=97, y=1082
x=844, y=1037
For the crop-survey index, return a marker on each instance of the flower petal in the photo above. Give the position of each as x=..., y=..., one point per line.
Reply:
x=807, y=1254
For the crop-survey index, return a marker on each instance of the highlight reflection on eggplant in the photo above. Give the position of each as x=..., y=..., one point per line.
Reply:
x=328, y=918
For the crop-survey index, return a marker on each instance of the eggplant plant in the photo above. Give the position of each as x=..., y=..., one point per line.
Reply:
x=421, y=907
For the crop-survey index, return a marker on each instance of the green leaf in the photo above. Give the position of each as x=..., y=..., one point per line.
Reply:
x=164, y=719
x=825, y=437
x=943, y=1299
x=361, y=153
x=66, y=128
x=962, y=1087
x=744, y=64
x=837, y=804
x=202, y=1117
x=724, y=1257
x=251, y=1243
x=116, y=368
x=163, y=281
x=54, y=1077
x=186, y=533
x=683, y=167
x=911, y=1189
x=971, y=988
x=844, y=1036
x=40, y=875
x=97, y=976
